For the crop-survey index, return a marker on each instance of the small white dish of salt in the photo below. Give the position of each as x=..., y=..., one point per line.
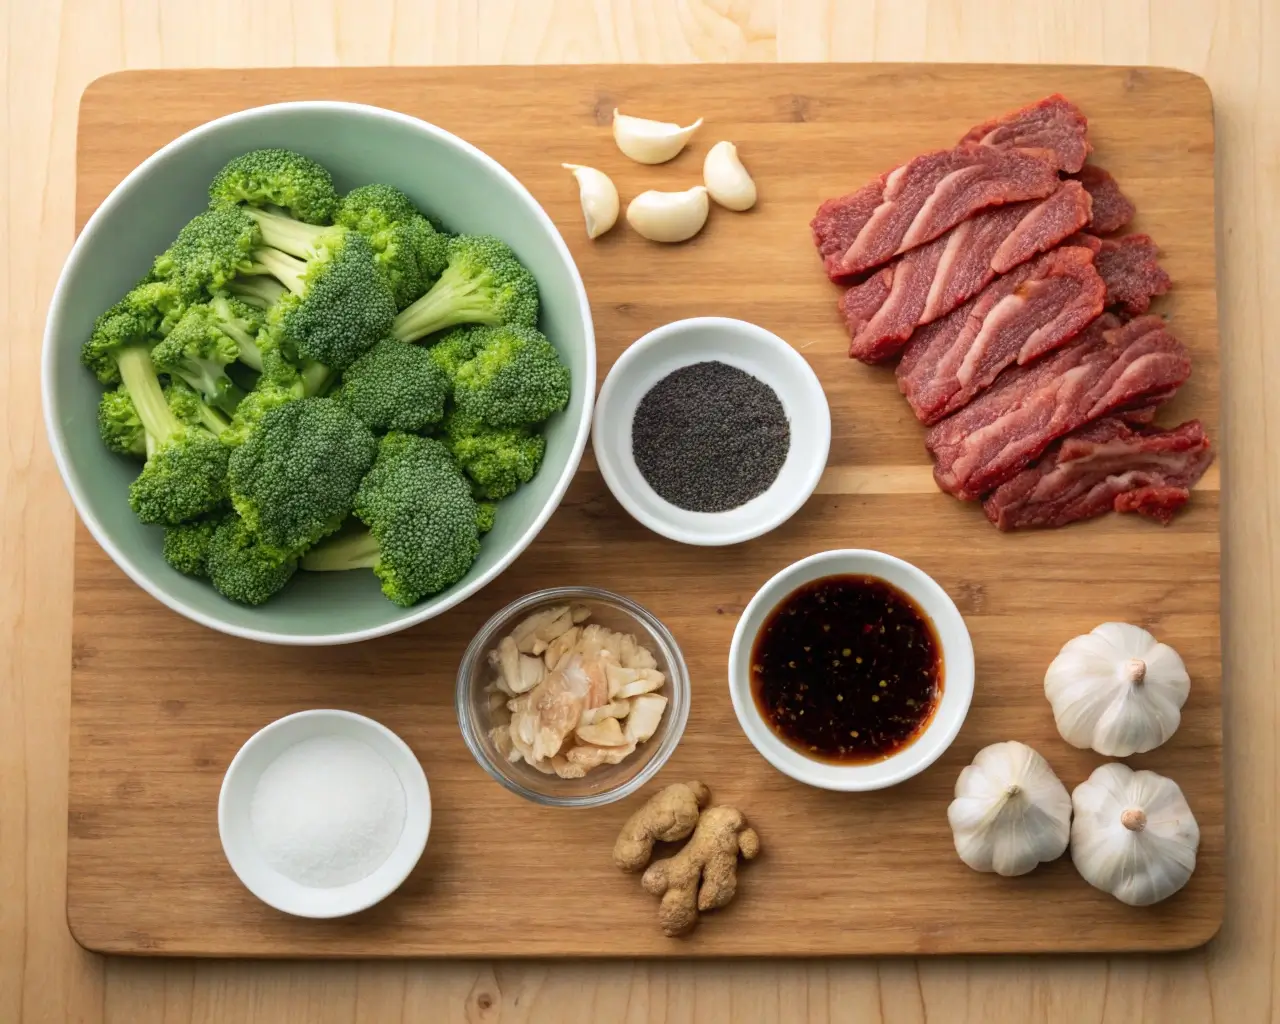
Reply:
x=324, y=813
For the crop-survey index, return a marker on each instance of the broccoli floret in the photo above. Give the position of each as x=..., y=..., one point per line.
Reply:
x=455, y=349
x=278, y=177
x=338, y=304
x=118, y=424
x=430, y=248
x=215, y=247
x=243, y=323
x=498, y=460
x=257, y=403
x=514, y=378
x=395, y=386
x=186, y=546
x=261, y=292
x=199, y=351
x=423, y=525
x=184, y=478
x=374, y=209
x=191, y=409
x=483, y=283
x=240, y=568
x=411, y=253
x=293, y=478
x=486, y=512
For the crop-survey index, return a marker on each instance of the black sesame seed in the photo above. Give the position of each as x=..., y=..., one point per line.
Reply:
x=709, y=437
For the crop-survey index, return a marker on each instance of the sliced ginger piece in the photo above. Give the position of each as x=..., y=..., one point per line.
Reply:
x=567, y=769
x=645, y=716
x=579, y=613
x=605, y=733
x=500, y=736
x=704, y=875
x=666, y=817
x=526, y=630
x=532, y=672
x=561, y=646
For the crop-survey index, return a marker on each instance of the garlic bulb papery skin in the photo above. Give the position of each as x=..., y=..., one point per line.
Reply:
x=1134, y=835
x=1117, y=690
x=650, y=142
x=1011, y=813
x=726, y=179
x=599, y=197
x=669, y=216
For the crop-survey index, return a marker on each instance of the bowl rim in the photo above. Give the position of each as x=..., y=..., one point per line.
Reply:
x=941, y=730
x=383, y=881
x=54, y=329
x=819, y=446
x=670, y=739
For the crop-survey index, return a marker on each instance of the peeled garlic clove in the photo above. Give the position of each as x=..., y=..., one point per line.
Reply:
x=650, y=142
x=727, y=180
x=669, y=216
x=599, y=200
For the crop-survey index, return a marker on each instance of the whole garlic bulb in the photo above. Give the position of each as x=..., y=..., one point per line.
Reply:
x=1117, y=690
x=1011, y=812
x=1134, y=835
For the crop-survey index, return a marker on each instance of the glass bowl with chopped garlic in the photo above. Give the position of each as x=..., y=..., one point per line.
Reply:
x=573, y=697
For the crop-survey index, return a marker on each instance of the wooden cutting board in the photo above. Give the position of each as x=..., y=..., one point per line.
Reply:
x=160, y=705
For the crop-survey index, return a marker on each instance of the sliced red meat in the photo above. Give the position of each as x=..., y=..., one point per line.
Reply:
x=1109, y=367
x=1112, y=209
x=930, y=281
x=1017, y=318
x=1104, y=466
x=1133, y=276
x=1053, y=128
x=918, y=201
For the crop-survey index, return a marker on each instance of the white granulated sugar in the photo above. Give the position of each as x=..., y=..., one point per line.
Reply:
x=327, y=812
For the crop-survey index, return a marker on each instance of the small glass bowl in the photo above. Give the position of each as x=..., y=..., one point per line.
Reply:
x=607, y=783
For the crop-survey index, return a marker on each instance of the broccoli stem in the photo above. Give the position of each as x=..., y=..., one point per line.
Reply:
x=285, y=233
x=261, y=291
x=316, y=377
x=140, y=380
x=212, y=419
x=454, y=299
x=247, y=350
x=284, y=268
x=356, y=550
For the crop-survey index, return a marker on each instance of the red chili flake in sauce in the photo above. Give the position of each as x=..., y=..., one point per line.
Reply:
x=847, y=669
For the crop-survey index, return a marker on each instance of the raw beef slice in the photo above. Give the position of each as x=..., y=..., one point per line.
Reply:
x=1017, y=318
x=930, y=281
x=1108, y=368
x=1112, y=209
x=1053, y=128
x=1105, y=466
x=918, y=201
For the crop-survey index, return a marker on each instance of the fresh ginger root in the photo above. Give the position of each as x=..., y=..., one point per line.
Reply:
x=669, y=815
x=709, y=858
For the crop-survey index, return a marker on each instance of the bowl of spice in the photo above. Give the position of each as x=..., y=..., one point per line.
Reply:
x=851, y=670
x=324, y=813
x=711, y=430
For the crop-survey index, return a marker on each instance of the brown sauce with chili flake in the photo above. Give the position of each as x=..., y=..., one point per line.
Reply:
x=847, y=669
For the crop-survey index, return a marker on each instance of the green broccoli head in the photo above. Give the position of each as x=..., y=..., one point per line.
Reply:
x=242, y=323
x=410, y=252
x=119, y=425
x=121, y=327
x=188, y=405
x=374, y=209
x=269, y=394
x=423, y=524
x=240, y=568
x=278, y=177
x=294, y=477
x=483, y=283
x=185, y=477
x=497, y=460
x=395, y=386
x=486, y=512
x=456, y=348
x=213, y=248
x=186, y=546
x=514, y=378
x=338, y=304
x=198, y=351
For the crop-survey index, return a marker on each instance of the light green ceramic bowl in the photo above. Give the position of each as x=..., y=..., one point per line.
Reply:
x=447, y=178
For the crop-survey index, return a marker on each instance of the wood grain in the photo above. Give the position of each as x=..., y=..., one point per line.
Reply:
x=159, y=705
x=53, y=50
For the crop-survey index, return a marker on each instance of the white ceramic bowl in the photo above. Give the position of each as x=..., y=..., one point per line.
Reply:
x=957, y=657
x=236, y=831
x=446, y=177
x=747, y=347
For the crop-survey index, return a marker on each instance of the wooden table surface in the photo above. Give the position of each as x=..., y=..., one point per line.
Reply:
x=52, y=50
